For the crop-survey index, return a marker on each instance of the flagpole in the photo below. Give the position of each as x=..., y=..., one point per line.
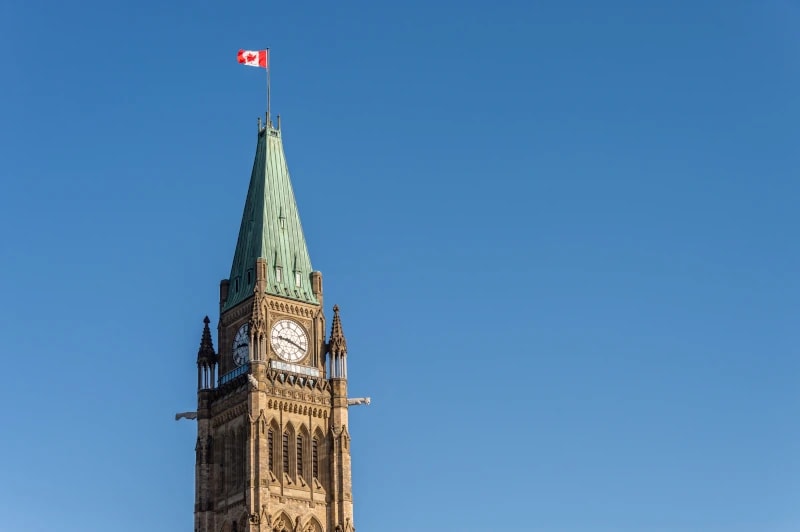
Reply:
x=269, y=69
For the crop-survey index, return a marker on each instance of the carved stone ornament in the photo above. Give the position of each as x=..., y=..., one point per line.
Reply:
x=280, y=524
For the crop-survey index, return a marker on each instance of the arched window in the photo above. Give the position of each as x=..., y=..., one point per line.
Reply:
x=315, y=458
x=234, y=462
x=299, y=456
x=219, y=460
x=243, y=459
x=271, y=449
x=230, y=460
x=285, y=451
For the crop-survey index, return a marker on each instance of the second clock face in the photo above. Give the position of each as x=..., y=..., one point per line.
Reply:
x=289, y=340
x=241, y=347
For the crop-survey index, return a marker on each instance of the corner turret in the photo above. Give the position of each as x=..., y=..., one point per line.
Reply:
x=206, y=359
x=337, y=348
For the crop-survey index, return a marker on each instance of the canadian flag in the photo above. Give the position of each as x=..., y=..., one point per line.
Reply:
x=257, y=58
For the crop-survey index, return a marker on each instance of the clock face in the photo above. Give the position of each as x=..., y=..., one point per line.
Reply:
x=289, y=340
x=241, y=345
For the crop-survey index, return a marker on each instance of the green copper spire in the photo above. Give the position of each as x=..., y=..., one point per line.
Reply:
x=271, y=230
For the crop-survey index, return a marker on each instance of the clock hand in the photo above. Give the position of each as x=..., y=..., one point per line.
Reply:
x=294, y=344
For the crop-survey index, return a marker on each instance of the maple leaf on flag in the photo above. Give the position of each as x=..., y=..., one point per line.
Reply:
x=253, y=58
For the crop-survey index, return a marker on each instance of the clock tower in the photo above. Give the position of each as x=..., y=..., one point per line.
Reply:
x=273, y=447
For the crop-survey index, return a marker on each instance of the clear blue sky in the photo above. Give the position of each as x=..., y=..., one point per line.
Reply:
x=563, y=236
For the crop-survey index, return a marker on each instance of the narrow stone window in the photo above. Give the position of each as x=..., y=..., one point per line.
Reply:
x=299, y=456
x=236, y=285
x=249, y=277
x=278, y=274
x=315, y=458
x=271, y=449
x=219, y=458
x=297, y=279
x=285, y=452
x=238, y=478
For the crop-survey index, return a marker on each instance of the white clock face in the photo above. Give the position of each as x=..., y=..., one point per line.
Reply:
x=289, y=340
x=241, y=345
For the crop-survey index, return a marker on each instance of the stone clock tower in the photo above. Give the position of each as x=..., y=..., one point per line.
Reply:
x=273, y=448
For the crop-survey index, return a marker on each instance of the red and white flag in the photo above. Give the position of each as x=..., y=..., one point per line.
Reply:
x=257, y=58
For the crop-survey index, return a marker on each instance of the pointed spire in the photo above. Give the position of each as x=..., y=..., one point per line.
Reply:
x=337, y=344
x=206, y=351
x=270, y=229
